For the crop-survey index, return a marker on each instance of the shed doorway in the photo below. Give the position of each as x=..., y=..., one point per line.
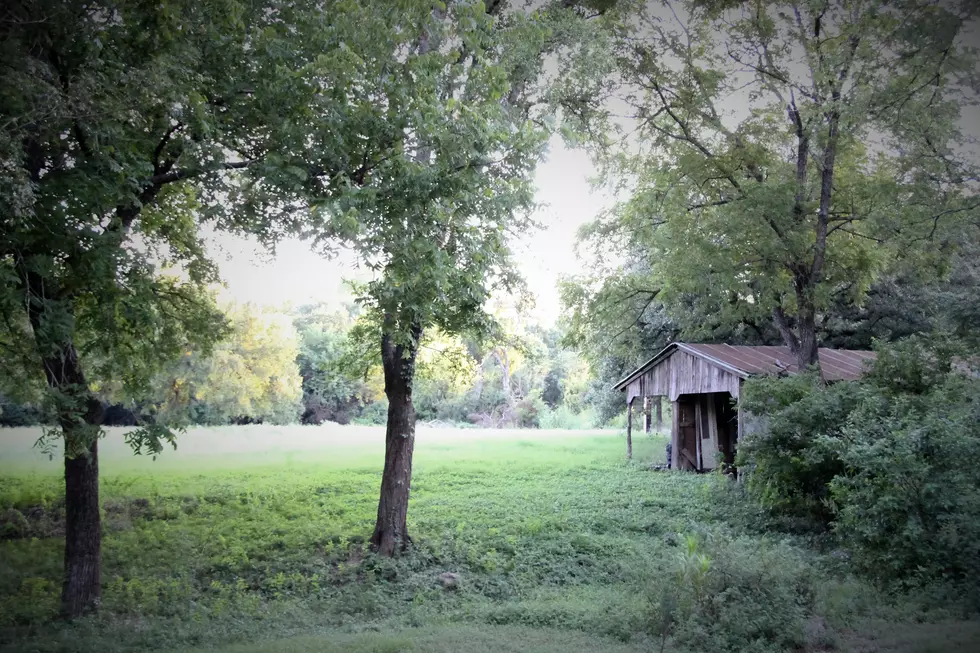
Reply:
x=687, y=433
x=726, y=413
x=705, y=431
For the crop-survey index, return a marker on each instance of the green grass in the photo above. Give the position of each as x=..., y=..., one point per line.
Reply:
x=252, y=539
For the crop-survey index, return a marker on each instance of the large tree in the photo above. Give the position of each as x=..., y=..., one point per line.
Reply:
x=779, y=157
x=437, y=233
x=121, y=124
x=433, y=219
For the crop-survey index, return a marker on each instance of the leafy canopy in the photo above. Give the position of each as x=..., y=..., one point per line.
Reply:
x=126, y=124
x=777, y=157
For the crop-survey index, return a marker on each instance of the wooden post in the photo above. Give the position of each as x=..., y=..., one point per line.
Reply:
x=660, y=412
x=674, y=430
x=698, y=431
x=738, y=438
x=647, y=421
x=629, y=429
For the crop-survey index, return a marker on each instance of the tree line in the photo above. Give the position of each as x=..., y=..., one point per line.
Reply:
x=308, y=366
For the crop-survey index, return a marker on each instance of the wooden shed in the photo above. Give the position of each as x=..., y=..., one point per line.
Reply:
x=703, y=384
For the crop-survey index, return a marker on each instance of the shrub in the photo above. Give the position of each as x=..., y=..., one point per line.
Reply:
x=14, y=414
x=375, y=412
x=909, y=503
x=889, y=462
x=791, y=460
x=528, y=411
x=564, y=417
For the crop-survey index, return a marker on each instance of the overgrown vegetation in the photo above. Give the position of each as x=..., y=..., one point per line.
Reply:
x=242, y=537
x=887, y=464
x=789, y=172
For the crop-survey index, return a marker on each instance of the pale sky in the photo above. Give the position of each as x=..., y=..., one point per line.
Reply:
x=296, y=275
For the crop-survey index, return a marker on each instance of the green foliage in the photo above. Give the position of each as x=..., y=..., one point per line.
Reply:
x=17, y=414
x=889, y=461
x=335, y=383
x=737, y=594
x=252, y=375
x=791, y=458
x=909, y=503
x=907, y=301
x=778, y=160
x=121, y=136
x=374, y=413
x=563, y=417
x=432, y=217
x=102, y=122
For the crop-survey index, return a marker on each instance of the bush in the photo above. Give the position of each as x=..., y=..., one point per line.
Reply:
x=889, y=462
x=909, y=504
x=14, y=414
x=374, y=413
x=563, y=417
x=528, y=411
x=791, y=460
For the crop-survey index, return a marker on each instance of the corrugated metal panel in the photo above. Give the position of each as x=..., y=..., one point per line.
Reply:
x=744, y=361
x=836, y=364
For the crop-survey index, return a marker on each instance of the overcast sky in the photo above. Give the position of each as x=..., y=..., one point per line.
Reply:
x=297, y=276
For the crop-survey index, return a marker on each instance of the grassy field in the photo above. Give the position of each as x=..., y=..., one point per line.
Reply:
x=251, y=539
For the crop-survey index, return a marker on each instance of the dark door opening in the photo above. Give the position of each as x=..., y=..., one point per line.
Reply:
x=727, y=414
x=687, y=433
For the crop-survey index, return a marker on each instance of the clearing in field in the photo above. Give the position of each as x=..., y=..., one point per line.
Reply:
x=253, y=539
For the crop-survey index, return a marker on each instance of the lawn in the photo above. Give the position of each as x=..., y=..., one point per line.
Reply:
x=251, y=539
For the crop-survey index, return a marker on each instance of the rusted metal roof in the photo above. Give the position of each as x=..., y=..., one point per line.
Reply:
x=745, y=361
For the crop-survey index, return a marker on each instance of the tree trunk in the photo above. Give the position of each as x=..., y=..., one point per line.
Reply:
x=80, y=417
x=391, y=530
x=807, y=354
x=659, y=401
x=82, y=586
x=80, y=420
x=500, y=353
x=802, y=342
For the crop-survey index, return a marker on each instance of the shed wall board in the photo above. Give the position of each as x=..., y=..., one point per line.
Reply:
x=710, y=457
x=680, y=374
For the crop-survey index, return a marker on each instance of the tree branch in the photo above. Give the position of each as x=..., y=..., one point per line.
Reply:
x=189, y=173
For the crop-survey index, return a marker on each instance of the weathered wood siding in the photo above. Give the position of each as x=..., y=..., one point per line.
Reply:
x=681, y=374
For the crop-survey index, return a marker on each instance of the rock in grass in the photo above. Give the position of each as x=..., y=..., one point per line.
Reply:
x=449, y=580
